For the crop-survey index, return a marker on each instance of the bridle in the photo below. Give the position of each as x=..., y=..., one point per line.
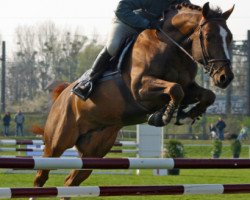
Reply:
x=207, y=62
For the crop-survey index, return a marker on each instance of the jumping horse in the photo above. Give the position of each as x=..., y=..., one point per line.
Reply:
x=159, y=78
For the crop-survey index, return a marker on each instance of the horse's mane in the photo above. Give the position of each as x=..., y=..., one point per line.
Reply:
x=213, y=13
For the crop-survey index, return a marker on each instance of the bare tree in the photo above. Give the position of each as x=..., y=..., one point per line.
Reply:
x=24, y=67
x=44, y=53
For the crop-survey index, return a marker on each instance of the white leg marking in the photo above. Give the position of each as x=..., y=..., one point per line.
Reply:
x=223, y=34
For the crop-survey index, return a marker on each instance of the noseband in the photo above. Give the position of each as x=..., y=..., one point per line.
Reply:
x=207, y=62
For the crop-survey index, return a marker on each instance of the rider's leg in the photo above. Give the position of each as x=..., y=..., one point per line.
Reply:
x=97, y=69
x=118, y=34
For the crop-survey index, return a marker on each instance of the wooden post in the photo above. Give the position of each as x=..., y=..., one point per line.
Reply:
x=229, y=91
x=248, y=74
x=3, y=77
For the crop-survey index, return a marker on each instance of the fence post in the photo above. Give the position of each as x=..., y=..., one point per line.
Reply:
x=248, y=73
x=229, y=91
x=3, y=78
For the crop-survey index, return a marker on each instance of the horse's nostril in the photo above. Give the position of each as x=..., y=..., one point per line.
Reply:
x=223, y=79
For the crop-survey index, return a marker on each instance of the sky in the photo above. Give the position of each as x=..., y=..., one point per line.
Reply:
x=94, y=16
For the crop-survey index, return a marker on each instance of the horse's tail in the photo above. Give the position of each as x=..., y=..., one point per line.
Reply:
x=36, y=129
x=58, y=90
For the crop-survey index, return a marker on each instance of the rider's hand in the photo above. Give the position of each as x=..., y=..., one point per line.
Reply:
x=156, y=24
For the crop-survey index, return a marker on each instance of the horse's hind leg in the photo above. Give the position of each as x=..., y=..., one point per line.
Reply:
x=55, y=148
x=96, y=144
x=43, y=175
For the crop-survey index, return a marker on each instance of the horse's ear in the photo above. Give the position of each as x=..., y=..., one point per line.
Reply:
x=227, y=14
x=205, y=10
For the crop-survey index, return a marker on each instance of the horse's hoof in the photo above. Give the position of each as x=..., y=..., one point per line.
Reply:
x=156, y=120
x=178, y=123
x=182, y=115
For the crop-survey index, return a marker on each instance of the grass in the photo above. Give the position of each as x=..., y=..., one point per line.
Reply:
x=146, y=178
x=197, y=176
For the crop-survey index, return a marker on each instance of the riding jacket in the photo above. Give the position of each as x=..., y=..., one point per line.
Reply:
x=139, y=13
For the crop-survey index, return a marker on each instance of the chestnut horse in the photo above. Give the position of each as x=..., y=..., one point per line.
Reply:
x=159, y=76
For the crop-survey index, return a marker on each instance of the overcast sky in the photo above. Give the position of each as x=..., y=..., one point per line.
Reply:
x=95, y=15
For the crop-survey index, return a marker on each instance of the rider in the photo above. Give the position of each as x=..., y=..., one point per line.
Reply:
x=131, y=18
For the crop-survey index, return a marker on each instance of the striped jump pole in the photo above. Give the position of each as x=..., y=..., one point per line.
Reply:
x=72, y=150
x=95, y=191
x=122, y=163
x=21, y=142
x=126, y=144
x=40, y=142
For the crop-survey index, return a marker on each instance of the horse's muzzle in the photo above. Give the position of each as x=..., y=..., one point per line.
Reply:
x=224, y=77
x=224, y=80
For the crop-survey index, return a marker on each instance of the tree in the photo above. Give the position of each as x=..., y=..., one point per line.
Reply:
x=71, y=47
x=23, y=70
x=44, y=53
x=87, y=56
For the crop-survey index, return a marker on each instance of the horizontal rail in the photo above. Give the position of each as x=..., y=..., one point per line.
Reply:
x=40, y=142
x=72, y=150
x=95, y=191
x=122, y=163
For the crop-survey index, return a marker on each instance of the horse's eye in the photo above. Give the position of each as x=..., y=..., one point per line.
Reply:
x=208, y=37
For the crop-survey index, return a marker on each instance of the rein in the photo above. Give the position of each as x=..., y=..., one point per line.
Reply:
x=179, y=46
x=209, y=64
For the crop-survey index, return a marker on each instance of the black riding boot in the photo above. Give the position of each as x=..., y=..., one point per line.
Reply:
x=84, y=88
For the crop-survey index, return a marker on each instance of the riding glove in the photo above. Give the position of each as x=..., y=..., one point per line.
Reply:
x=156, y=24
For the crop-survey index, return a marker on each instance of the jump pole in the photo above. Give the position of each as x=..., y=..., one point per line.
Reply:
x=95, y=191
x=122, y=163
x=40, y=142
x=21, y=142
x=72, y=150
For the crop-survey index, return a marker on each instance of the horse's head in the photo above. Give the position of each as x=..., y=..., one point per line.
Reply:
x=211, y=43
x=204, y=33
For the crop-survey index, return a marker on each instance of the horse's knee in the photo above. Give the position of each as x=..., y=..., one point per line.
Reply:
x=56, y=149
x=208, y=97
x=176, y=92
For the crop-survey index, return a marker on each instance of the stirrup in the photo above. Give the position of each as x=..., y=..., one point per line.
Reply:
x=81, y=95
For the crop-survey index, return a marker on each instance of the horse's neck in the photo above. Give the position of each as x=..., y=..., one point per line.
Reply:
x=183, y=23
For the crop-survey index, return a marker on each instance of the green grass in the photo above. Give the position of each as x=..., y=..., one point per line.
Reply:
x=197, y=176
x=146, y=178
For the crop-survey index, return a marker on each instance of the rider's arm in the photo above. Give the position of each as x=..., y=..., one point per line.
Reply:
x=125, y=13
x=181, y=1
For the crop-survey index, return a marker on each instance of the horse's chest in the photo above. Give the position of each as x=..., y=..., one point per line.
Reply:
x=174, y=76
x=185, y=79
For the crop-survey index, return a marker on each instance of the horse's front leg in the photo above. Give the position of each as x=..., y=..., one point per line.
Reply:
x=161, y=92
x=203, y=97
